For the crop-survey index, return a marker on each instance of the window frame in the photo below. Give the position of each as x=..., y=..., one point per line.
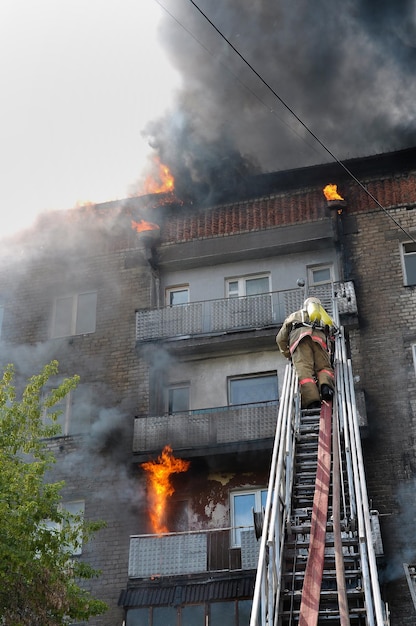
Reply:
x=74, y=310
x=404, y=255
x=259, y=494
x=252, y=376
x=169, y=291
x=413, y=346
x=319, y=267
x=172, y=387
x=54, y=525
x=242, y=284
x=1, y=318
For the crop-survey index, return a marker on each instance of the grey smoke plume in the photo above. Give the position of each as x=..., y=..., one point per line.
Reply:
x=345, y=68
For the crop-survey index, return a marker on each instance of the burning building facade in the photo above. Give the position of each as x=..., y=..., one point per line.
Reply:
x=169, y=315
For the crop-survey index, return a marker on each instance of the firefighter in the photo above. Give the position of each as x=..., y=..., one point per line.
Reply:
x=304, y=338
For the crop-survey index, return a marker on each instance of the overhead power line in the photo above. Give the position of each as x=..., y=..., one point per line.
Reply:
x=298, y=119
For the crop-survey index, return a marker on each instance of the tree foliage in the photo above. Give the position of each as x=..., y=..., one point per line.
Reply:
x=39, y=578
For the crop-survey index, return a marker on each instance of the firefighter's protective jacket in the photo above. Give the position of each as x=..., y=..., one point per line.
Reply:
x=295, y=328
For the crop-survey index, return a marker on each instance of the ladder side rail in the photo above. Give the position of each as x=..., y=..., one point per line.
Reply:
x=343, y=403
x=262, y=586
x=341, y=394
x=360, y=515
x=293, y=416
x=337, y=447
x=375, y=586
x=276, y=528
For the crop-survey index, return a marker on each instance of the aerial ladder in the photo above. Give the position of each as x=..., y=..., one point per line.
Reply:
x=317, y=559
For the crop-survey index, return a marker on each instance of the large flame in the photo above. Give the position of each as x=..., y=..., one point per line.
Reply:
x=143, y=225
x=160, y=487
x=161, y=181
x=330, y=193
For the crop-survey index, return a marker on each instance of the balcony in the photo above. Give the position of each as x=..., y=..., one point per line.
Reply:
x=214, y=317
x=215, y=427
x=194, y=552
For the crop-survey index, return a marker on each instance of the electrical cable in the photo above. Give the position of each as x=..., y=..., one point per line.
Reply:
x=294, y=114
x=237, y=78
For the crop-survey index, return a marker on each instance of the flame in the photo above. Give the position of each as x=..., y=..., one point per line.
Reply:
x=330, y=193
x=160, y=487
x=143, y=225
x=162, y=182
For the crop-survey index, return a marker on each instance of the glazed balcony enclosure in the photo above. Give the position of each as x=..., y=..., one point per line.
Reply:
x=244, y=313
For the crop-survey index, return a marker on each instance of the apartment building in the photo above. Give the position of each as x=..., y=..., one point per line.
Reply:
x=172, y=331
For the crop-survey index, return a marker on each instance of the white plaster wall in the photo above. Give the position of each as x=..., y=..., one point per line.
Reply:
x=208, y=283
x=208, y=377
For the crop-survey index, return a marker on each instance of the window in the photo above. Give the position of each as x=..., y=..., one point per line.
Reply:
x=137, y=617
x=178, y=398
x=242, y=505
x=75, y=411
x=224, y=613
x=409, y=263
x=410, y=572
x=247, y=286
x=256, y=388
x=193, y=615
x=177, y=295
x=164, y=616
x=74, y=314
x=320, y=274
x=77, y=508
x=414, y=355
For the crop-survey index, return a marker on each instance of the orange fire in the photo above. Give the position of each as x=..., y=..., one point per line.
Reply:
x=330, y=193
x=160, y=487
x=143, y=225
x=160, y=182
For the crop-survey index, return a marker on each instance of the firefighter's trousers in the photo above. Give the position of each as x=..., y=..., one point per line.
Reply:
x=313, y=367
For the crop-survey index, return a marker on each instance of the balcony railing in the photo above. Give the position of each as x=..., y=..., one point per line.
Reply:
x=212, y=317
x=194, y=552
x=209, y=427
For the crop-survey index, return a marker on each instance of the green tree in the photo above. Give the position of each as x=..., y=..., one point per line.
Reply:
x=39, y=578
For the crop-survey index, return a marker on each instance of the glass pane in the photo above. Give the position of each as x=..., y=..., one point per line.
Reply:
x=243, y=515
x=233, y=288
x=178, y=399
x=86, y=313
x=137, y=617
x=253, y=389
x=257, y=285
x=244, y=612
x=322, y=275
x=193, y=615
x=63, y=317
x=179, y=296
x=410, y=265
x=164, y=616
x=222, y=613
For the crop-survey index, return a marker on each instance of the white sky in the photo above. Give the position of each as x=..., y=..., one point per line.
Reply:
x=79, y=81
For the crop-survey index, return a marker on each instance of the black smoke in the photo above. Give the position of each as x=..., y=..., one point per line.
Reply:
x=345, y=69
